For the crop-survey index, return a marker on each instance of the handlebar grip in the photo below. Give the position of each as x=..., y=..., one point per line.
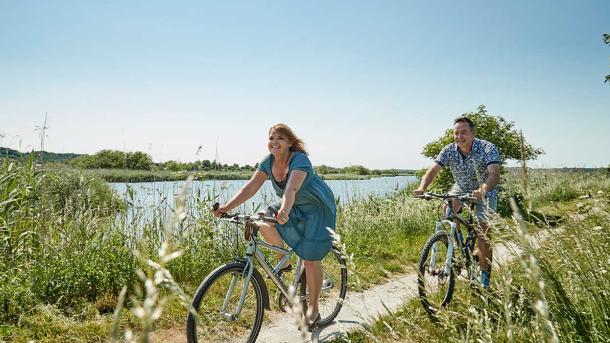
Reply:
x=223, y=214
x=269, y=220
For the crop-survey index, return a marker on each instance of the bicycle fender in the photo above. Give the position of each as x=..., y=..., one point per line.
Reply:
x=259, y=278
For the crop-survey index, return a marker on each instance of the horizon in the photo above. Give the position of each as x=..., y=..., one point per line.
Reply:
x=367, y=84
x=515, y=165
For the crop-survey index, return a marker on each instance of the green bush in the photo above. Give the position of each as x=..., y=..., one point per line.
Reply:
x=70, y=192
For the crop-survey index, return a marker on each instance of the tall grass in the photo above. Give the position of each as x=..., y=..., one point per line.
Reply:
x=67, y=246
x=556, y=289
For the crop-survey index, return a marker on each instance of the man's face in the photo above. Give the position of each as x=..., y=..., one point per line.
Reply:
x=463, y=135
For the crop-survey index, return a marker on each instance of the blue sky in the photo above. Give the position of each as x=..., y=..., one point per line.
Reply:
x=361, y=82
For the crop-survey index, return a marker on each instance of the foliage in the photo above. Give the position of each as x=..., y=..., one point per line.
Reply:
x=56, y=239
x=607, y=41
x=204, y=165
x=114, y=159
x=360, y=170
x=45, y=155
x=554, y=290
x=494, y=129
x=61, y=271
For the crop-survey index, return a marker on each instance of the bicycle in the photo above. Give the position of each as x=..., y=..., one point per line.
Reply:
x=231, y=301
x=439, y=263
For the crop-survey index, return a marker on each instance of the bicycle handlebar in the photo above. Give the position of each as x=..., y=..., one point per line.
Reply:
x=463, y=197
x=244, y=217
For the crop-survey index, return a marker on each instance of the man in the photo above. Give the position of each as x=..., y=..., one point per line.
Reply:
x=475, y=166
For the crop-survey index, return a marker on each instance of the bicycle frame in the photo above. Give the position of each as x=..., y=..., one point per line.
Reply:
x=254, y=252
x=454, y=240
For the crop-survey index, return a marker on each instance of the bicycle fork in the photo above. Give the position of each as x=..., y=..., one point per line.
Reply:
x=244, y=291
x=450, y=245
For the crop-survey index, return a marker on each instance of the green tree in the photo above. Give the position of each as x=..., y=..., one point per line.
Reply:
x=138, y=160
x=357, y=169
x=172, y=165
x=607, y=41
x=113, y=159
x=494, y=129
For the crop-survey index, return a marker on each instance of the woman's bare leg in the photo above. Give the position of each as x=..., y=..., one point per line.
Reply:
x=313, y=270
x=271, y=236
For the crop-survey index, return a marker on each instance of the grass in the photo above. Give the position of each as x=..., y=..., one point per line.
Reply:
x=67, y=249
x=555, y=292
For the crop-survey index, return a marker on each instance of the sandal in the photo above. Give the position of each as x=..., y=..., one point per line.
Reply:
x=314, y=325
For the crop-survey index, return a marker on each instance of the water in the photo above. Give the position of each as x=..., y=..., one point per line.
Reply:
x=147, y=196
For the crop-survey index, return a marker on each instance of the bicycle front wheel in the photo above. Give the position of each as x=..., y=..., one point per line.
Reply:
x=220, y=317
x=334, y=287
x=435, y=286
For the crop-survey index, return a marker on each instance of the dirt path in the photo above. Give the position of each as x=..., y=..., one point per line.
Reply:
x=358, y=310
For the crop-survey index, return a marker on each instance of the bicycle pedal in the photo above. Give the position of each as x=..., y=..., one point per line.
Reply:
x=475, y=257
x=280, y=272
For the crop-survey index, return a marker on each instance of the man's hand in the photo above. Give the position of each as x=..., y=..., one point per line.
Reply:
x=479, y=194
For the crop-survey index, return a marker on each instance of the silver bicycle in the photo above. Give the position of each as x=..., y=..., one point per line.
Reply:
x=446, y=254
x=231, y=301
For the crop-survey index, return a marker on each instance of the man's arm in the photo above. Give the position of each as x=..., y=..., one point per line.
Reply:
x=492, y=180
x=427, y=179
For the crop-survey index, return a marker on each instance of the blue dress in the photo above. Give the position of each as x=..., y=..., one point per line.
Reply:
x=312, y=214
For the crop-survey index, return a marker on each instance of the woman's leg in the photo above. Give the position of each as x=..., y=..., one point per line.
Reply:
x=313, y=270
x=271, y=236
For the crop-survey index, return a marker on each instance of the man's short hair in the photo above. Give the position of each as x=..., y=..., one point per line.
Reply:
x=464, y=120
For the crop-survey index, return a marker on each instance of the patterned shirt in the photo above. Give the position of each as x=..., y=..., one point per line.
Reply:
x=470, y=171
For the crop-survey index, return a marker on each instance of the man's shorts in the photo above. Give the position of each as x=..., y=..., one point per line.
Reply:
x=482, y=210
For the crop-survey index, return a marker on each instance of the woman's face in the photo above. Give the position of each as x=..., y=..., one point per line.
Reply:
x=278, y=144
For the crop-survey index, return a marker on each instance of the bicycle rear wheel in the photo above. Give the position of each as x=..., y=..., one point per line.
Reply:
x=216, y=304
x=334, y=287
x=435, y=287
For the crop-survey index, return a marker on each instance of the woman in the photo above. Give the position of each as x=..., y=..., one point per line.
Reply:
x=306, y=212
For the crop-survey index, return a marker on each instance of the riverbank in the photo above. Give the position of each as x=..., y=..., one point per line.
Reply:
x=66, y=256
x=69, y=250
x=126, y=175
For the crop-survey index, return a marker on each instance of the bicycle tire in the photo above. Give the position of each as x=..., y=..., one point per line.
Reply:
x=435, y=291
x=331, y=298
x=208, y=301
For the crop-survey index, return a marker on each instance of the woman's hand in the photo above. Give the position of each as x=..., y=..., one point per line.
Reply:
x=219, y=211
x=282, y=216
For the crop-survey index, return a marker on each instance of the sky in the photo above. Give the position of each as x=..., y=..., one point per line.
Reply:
x=361, y=82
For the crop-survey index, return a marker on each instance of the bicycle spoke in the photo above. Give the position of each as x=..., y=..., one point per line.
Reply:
x=219, y=308
x=435, y=286
x=334, y=287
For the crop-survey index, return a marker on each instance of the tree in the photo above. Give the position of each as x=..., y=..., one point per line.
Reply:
x=114, y=159
x=138, y=160
x=607, y=41
x=494, y=129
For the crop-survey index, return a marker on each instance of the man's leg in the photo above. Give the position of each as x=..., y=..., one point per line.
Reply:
x=483, y=212
x=485, y=252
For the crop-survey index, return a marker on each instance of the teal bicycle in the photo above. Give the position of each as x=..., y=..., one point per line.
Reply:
x=230, y=303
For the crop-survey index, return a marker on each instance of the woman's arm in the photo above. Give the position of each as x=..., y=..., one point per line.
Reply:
x=295, y=181
x=244, y=193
